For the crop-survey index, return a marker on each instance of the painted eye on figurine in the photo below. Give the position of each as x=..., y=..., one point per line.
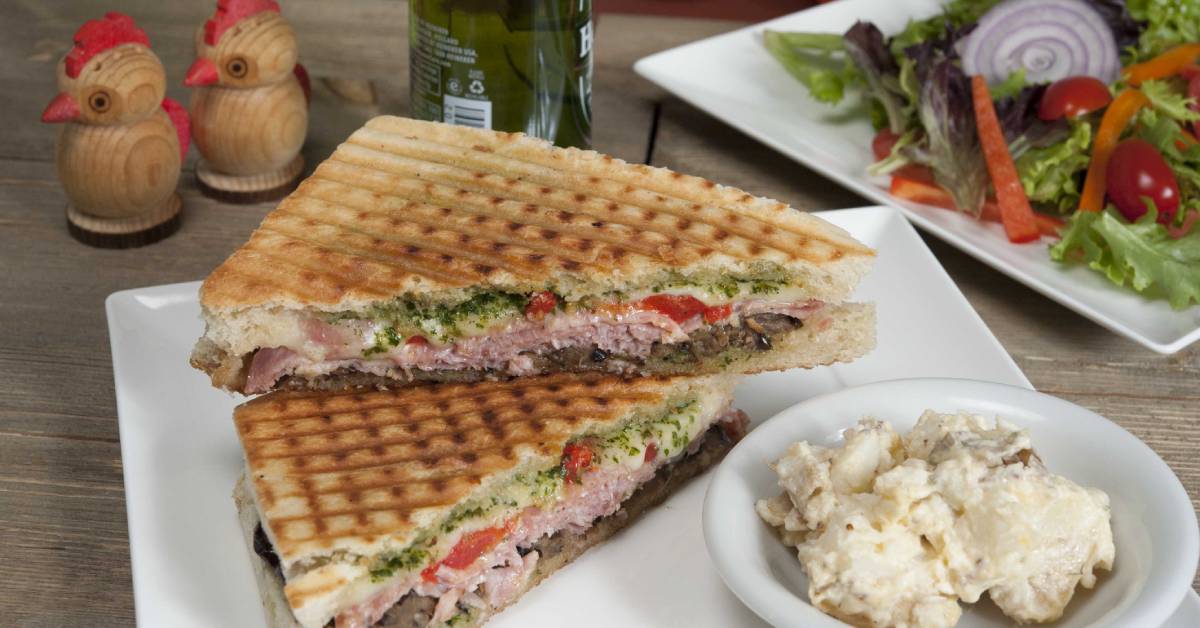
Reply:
x=236, y=67
x=99, y=102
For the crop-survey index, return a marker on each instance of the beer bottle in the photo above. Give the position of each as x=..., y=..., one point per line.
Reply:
x=509, y=65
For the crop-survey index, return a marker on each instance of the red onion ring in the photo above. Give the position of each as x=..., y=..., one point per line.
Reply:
x=1050, y=39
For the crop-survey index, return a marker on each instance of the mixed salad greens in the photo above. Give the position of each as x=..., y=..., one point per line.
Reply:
x=1072, y=119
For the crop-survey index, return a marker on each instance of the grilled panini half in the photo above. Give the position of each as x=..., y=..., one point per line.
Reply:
x=442, y=504
x=423, y=251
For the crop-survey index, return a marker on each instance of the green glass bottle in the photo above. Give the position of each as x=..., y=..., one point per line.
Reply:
x=509, y=65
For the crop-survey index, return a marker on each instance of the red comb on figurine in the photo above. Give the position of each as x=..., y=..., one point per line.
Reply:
x=230, y=12
x=96, y=36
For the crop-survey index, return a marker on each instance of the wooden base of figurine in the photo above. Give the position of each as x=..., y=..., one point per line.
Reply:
x=126, y=233
x=251, y=189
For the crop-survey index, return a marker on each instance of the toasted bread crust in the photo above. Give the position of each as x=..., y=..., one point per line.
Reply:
x=425, y=209
x=556, y=551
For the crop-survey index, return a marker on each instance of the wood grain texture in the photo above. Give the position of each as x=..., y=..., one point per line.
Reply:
x=63, y=537
x=249, y=108
x=118, y=153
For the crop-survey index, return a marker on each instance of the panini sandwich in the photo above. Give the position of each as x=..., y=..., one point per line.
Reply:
x=427, y=252
x=442, y=504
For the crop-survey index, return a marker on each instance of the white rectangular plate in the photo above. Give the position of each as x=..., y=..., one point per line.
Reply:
x=181, y=456
x=732, y=77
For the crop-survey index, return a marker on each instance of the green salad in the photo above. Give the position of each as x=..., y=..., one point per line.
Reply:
x=1072, y=121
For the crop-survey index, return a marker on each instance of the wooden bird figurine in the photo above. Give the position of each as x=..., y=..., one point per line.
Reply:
x=122, y=143
x=250, y=106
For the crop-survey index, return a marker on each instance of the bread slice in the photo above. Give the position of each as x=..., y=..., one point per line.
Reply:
x=409, y=215
x=357, y=491
x=557, y=551
x=430, y=211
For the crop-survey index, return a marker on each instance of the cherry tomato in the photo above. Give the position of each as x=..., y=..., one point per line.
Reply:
x=677, y=307
x=883, y=143
x=1137, y=170
x=540, y=305
x=471, y=546
x=576, y=458
x=1073, y=96
x=416, y=340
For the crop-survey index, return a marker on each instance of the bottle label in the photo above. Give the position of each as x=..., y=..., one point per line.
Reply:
x=467, y=112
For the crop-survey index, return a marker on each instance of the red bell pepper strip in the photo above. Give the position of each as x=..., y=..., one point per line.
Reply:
x=1015, y=213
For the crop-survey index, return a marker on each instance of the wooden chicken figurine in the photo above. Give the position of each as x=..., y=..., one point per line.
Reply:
x=122, y=144
x=250, y=108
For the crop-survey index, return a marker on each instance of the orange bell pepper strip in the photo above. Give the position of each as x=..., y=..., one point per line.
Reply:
x=1165, y=65
x=1015, y=213
x=1112, y=125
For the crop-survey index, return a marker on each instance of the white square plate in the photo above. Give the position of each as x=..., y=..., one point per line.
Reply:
x=181, y=456
x=732, y=77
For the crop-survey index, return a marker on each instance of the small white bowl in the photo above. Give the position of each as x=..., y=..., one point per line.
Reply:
x=1154, y=524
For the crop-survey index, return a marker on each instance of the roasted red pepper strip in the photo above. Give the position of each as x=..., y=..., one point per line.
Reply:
x=540, y=305
x=717, y=313
x=1015, y=213
x=470, y=547
x=1112, y=125
x=677, y=307
x=576, y=459
x=1172, y=62
x=681, y=307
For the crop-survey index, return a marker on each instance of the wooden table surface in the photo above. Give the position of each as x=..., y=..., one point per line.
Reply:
x=64, y=549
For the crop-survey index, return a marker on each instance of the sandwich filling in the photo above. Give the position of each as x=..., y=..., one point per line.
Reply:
x=482, y=554
x=518, y=335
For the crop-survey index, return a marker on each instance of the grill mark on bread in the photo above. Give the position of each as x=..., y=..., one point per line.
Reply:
x=332, y=197
x=537, y=169
x=524, y=211
x=630, y=215
x=383, y=250
x=408, y=263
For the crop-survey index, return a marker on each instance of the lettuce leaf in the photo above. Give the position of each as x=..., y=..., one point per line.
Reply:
x=955, y=15
x=1168, y=101
x=865, y=45
x=816, y=60
x=1141, y=255
x=1050, y=175
x=1168, y=24
x=952, y=149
